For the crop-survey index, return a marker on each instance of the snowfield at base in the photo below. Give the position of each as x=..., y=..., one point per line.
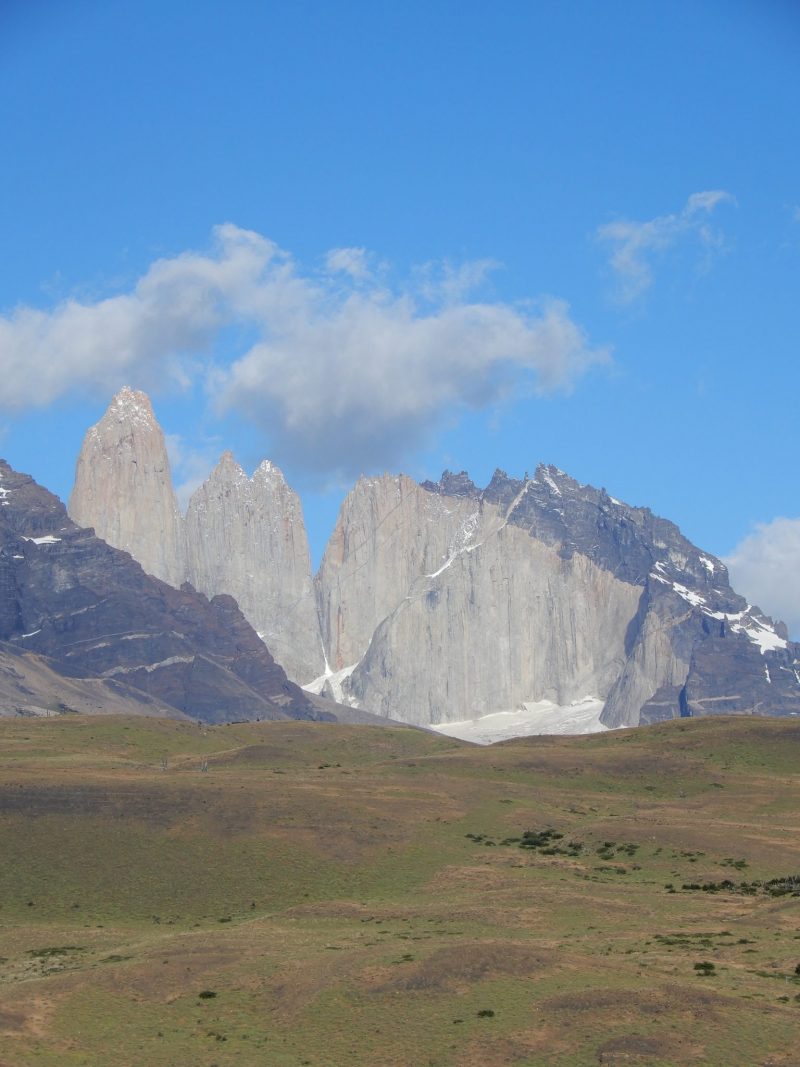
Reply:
x=540, y=717
x=335, y=679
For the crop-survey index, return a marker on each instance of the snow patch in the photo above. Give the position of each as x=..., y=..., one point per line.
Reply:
x=149, y=667
x=708, y=564
x=688, y=595
x=692, y=598
x=334, y=678
x=460, y=543
x=549, y=481
x=761, y=634
x=48, y=540
x=757, y=630
x=532, y=718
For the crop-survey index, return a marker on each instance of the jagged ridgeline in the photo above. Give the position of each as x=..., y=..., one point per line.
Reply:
x=241, y=536
x=441, y=602
x=84, y=628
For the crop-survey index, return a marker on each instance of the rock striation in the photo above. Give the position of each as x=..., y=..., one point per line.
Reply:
x=123, y=488
x=442, y=602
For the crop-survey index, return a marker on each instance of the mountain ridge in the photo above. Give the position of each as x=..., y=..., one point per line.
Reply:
x=443, y=601
x=94, y=613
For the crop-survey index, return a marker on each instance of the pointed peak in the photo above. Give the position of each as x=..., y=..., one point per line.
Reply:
x=131, y=401
x=457, y=484
x=499, y=481
x=227, y=467
x=269, y=473
x=451, y=484
x=269, y=470
x=554, y=478
x=128, y=410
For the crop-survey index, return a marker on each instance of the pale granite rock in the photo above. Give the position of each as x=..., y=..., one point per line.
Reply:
x=442, y=602
x=246, y=537
x=123, y=488
x=389, y=533
x=470, y=614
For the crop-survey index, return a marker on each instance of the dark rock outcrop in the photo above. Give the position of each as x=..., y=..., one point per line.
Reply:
x=94, y=613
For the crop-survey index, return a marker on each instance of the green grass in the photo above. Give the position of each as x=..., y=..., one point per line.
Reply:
x=334, y=889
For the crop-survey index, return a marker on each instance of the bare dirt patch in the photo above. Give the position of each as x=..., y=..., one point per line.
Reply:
x=27, y=1018
x=482, y=878
x=11, y=1022
x=454, y=968
x=330, y=909
x=634, y=1048
x=519, y=1048
x=697, y=1002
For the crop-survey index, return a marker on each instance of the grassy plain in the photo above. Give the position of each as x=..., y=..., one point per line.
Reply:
x=290, y=894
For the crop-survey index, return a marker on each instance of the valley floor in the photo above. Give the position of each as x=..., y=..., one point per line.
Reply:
x=291, y=894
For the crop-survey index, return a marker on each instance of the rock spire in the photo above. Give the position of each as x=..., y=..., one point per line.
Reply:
x=123, y=488
x=246, y=536
x=242, y=536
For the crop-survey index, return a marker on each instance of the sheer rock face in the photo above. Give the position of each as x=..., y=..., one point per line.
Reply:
x=443, y=602
x=242, y=537
x=123, y=488
x=95, y=614
x=506, y=623
x=389, y=533
x=247, y=537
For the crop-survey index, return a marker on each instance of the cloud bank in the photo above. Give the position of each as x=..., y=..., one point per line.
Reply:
x=636, y=244
x=341, y=370
x=765, y=567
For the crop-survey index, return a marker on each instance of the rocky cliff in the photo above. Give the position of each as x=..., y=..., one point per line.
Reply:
x=241, y=536
x=94, y=614
x=123, y=488
x=246, y=536
x=443, y=602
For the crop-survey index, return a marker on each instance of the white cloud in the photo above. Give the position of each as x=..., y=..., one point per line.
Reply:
x=342, y=374
x=352, y=261
x=443, y=283
x=175, y=310
x=765, y=567
x=635, y=244
x=361, y=384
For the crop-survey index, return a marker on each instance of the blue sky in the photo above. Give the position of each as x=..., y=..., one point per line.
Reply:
x=365, y=236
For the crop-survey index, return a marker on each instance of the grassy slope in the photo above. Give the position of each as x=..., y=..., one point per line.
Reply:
x=319, y=881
